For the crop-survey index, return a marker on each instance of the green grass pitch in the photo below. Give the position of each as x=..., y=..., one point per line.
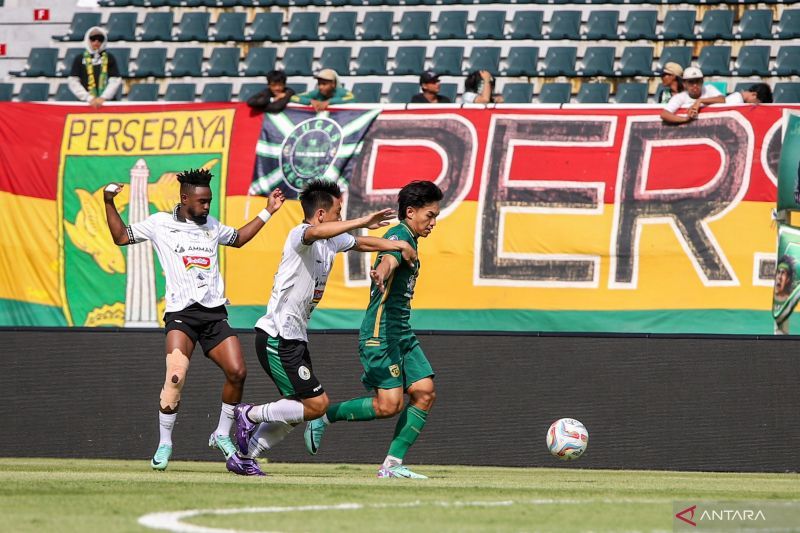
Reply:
x=105, y=495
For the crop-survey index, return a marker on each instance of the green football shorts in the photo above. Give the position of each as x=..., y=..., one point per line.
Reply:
x=394, y=363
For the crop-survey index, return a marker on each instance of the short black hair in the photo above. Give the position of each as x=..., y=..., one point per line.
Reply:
x=318, y=194
x=763, y=92
x=194, y=178
x=417, y=194
x=276, y=76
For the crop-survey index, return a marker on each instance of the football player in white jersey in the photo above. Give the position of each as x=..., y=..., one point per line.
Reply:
x=281, y=338
x=186, y=242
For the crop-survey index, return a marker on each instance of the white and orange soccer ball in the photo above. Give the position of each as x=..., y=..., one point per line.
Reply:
x=567, y=439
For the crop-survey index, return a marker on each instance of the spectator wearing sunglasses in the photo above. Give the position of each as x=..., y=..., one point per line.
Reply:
x=94, y=77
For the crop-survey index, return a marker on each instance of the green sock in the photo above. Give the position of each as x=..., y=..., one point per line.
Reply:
x=408, y=428
x=351, y=410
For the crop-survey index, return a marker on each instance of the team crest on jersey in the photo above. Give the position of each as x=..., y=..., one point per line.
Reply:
x=394, y=370
x=309, y=150
x=193, y=261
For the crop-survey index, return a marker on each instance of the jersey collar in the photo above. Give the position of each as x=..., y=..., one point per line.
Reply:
x=409, y=230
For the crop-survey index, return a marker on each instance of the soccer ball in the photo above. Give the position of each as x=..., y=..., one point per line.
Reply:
x=567, y=439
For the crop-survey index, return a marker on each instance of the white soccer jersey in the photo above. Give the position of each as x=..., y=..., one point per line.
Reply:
x=188, y=255
x=300, y=283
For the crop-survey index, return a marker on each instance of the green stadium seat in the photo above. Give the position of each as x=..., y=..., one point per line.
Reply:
x=377, y=26
x=602, y=25
x=341, y=26
x=180, y=92
x=449, y=90
x=717, y=24
x=452, y=25
x=565, y=25
x=220, y=3
x=522, y=61
x=41, y=62
x=640, y=25
x=559, y=61
x=401, y=92
x=756, y=24
x=527, y=25
x=371, y=61
x=636, y=61
x=593, y=93
x=143, y=92
x=187, y=62
x=69, y=58
x=555, y=93
x=337, y=58
x=229, y=27
x=681, y=55
x=193, y=26
x=217, y=92
x=6, y=92
x=224, y=62
x=34, y=92
x=297, y=87
x=786, y=93
x=598, y=61
x=447, y=60
x=249, y=89
x=752, y=61
x=715, y=60
x=410, y=60
x=518, y=93
x=787, y=62
x=266, y=27
x=415, y=25
x=297, y=61
x=631, y=93
x=63, y=94
x=367, y=93
x=678, y=25
x=259, y=61
x=303, y=26
x=485, y=58
x=121, y=26
x=489, y=25
x=151, y=62
x=157, y=26
x=123, y=58
x=789, y=24
x=81, y=22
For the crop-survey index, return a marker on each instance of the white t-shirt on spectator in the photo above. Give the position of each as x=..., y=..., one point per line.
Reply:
x=734, y=98
x=683, y=99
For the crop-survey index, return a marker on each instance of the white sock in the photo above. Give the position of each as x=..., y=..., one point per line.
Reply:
x=225, y=420
x=165, y=425
x=391, y=461
x=267, y=436
x=288, y=411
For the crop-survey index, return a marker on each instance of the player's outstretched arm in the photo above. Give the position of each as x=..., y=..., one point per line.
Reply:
x=327, y=230
x=115, y=224
x=376, y=244
x=381, y=273
x=248, y=231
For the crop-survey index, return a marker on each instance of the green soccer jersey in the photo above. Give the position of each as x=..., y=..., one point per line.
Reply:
x=389, y=312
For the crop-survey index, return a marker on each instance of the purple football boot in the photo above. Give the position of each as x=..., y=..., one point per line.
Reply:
x=243, y=466
x=244, y=427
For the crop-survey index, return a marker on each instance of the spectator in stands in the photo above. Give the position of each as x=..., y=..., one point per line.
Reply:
x=759, y=93
x=671, y=82
x=430, y=85
x=695, y=96
x=327, y=92
x=274, y=98
x=479, y=89
x=94, y=76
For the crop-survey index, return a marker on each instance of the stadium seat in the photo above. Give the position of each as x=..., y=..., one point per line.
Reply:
x=187, y=62
x=298, y=61
x=681, y=55
x=367, y=93
x=123, y=58
x=303, y=26
x=6, y=92
x=41, y=62
x=410, y=60
x=63, y=94
x=485, y=58
x=81, y=22
x=259, y=61
x=224, y=62
x=341, y=26
x=565, y=25
x=401, y=92
x=249, y=89
x=151, y=62
x=121, y=26
x=593, y=93
x=518, y=93
x=678, y=25
x=756, y=24
x=34, y=92
x=217, y=92
x=787, y=62
x=489, y=25
x=266, y=27
x=298, y=88
x=452, y=25
x=717, y=24
x=527, y=25
x=180, y=92
x=449, y=90
x=69, y=58
x=715, y=60
x=602, y=25
x=447, y=60
x=193, y=26
x=415, y=25
x=559, y=61
x=522, y=61
x=337, y=58
x=789, y=24
x=229, y=27
x=598, y=61
x=786, y=93
x=157, y=26
x=636, y=61
x=143, y=92
x=377, y=26
x=752, y=61
x=555, y=93
x=371, y=61
x=631, y=93
x=640, y=25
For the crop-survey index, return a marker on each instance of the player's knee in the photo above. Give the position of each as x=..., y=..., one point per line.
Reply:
x=314, y=408
x=424, y=399
x=236, y=374
x=387, y=407
x=177, y=367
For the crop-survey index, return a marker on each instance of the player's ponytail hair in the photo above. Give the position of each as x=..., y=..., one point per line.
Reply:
x=417, y=194
x=318, y=194
x=195, y=178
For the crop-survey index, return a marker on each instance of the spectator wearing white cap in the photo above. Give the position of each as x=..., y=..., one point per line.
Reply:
x=671, y=82
x=327, y=92
x=695, y=96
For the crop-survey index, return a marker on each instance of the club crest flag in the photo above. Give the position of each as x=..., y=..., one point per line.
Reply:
x=296, y=146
